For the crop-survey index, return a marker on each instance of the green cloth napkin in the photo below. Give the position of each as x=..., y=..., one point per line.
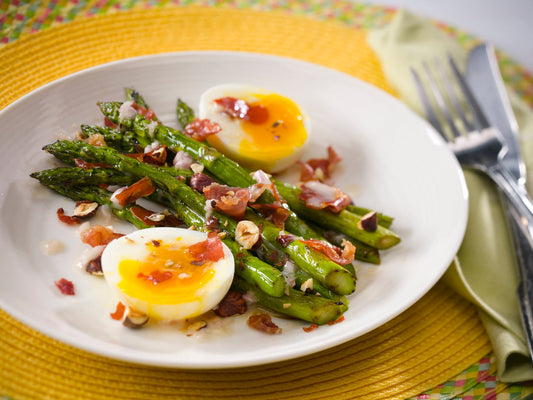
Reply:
x=484, y=270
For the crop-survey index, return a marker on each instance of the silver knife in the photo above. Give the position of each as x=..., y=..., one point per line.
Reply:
x=485, y=81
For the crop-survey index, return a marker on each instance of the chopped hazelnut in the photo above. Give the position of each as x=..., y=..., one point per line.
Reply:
x=197, y=168
x=156, y=217
x=247, y=234
x=368, y=222
x=197, y=325
x=307, y=285
x=135, y=319
x=85, y=209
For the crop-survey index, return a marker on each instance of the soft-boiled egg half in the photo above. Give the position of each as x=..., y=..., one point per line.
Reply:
x=260, y=129
x=155, y=272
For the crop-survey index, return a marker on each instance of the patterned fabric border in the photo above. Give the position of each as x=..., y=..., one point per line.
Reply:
x=19, y=18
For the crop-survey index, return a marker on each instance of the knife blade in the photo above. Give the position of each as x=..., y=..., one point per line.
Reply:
x=485, y=81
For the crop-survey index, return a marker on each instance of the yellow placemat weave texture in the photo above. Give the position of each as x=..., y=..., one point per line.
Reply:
x=431, y=342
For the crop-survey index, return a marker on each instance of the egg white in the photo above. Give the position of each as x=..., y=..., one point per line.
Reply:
x=232, y=133
x=133, y=247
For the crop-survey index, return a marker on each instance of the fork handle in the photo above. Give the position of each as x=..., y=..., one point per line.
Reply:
x=516, y=195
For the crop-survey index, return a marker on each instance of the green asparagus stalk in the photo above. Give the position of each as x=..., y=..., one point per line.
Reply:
x=124, y=141
x=233, y=174
x=307, y=307
x=184, y=113
x=134, y=95
x=84, y=181
x=223, y=168
x=317, y=265
x=74, y=176
x=383, y=219
x=247, y=266
x=345, y=221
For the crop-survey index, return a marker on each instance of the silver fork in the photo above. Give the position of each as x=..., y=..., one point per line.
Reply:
x=480, y=146
x=475, y=143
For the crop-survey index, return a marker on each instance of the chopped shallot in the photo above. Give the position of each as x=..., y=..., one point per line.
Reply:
x=182, y=160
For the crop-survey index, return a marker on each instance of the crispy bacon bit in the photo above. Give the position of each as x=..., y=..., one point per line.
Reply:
x=237, y=108
x=263, y=322
x=132, y=193
x=212, y=223
x=338, y=320
x=369, y=222
x=273, y=212
x=285, y=240
x=310, y=328
x=335, y=254
x=319, y=168
x=99, y=235
x=65, y=286
x=88, y=165
x=96, y=140
x=156, y=156
x=200, y=129
x=147, y=113
x=151, y=218
x=278, y=258
x=233, y=303
x=67, y=219
x=119, y=312
x=110, y=124
x=318, y=195
x=157, y=276
x=208, y=250
x=257, y=189
x=199, y=181
x=94, y=267
x=231, y=201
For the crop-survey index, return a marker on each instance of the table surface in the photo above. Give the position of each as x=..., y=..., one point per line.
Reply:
x=505, y=24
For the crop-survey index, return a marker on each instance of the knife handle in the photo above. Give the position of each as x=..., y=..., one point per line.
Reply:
x=523, y=245
x=516, y=195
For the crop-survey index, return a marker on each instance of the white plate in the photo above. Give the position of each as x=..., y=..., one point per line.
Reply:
x=393, y=161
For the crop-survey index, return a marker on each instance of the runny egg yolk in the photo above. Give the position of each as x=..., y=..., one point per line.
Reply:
x=279, y=133
x=259, y=129
x=167, y=275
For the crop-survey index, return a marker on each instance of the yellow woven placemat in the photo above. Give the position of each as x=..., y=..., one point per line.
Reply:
x=431, y=342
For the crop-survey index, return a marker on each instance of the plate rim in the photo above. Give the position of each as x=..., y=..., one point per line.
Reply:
x=124, y=356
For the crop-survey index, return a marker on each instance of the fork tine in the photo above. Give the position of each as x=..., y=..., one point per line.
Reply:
x=440, y=101
x=431, y=115
x=479, y=117
x=453, y=96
